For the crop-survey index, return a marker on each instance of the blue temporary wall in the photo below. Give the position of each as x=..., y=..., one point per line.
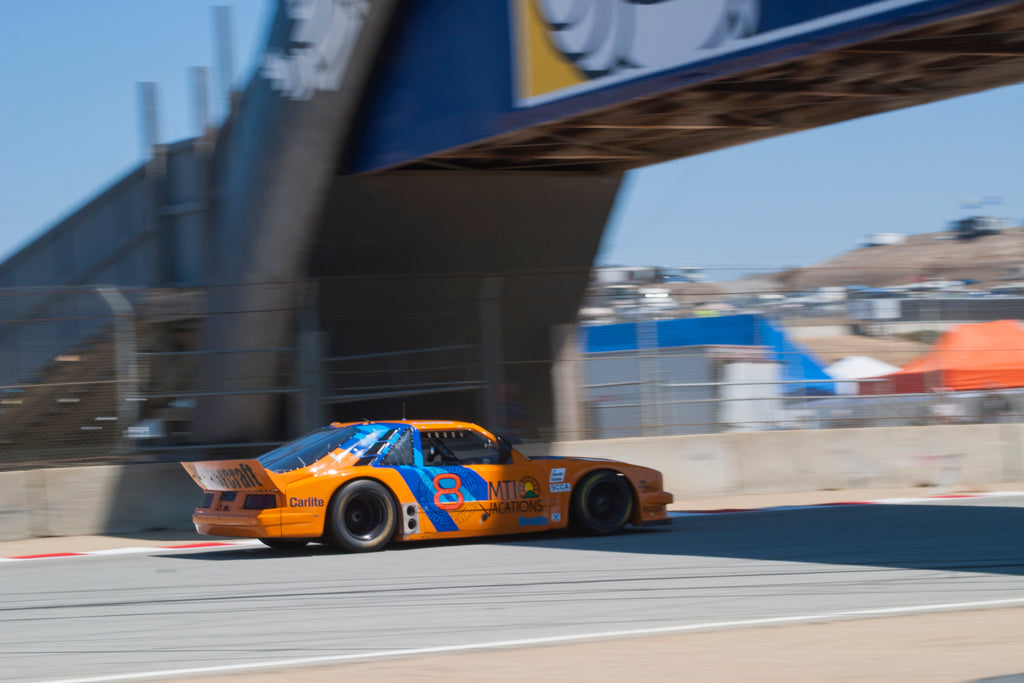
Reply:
x=796, y=362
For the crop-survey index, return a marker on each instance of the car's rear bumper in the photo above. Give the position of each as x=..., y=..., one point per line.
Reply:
x=262, y=524
x=273, y=523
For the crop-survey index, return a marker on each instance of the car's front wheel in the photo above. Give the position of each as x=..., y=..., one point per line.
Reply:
x=361, y=517
x=284, y=543
x=602, y=504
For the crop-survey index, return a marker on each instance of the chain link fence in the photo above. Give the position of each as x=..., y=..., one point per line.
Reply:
x=659, y=406
x=100, y=375
x=69, y=375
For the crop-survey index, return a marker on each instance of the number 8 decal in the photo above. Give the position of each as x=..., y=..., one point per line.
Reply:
x=452, y=490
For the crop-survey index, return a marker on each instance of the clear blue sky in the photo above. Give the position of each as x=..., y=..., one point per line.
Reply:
x=69, y=127
x=69, y=118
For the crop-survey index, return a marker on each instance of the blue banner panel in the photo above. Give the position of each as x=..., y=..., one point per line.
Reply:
x=796, y=363
x=454, y=72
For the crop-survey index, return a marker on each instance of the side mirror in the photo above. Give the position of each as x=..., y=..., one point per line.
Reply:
x=504, y=449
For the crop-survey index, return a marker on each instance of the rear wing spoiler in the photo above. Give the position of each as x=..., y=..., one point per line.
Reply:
x=230, y=475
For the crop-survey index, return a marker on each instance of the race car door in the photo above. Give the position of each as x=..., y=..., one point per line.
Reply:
x=516, y=499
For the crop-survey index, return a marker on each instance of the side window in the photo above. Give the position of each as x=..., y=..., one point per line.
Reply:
x=463, y=446
x=434, y=452
x=400, y=452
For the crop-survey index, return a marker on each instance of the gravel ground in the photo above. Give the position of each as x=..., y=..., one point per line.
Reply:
x=951, y=647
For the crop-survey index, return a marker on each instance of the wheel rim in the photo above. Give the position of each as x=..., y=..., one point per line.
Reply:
x=365, y=516
x=605, y=502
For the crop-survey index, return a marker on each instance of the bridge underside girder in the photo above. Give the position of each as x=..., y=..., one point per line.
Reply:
x=955, y=57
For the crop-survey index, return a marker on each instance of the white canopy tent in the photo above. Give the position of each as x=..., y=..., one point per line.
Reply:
x=855, y=368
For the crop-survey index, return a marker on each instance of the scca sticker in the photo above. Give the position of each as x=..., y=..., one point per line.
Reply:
x=560, y=488
x=557, y=475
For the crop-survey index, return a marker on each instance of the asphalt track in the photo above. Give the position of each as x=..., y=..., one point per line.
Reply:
x=114, y=617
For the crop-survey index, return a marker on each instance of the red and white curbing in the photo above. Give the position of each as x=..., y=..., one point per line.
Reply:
x=882, y=501
x=135, y=550
x=694, y=513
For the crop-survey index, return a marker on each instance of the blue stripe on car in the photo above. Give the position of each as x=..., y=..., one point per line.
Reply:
x=420, y=481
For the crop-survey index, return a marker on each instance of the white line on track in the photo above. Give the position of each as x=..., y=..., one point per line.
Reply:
x=950, y=499
x=551, y=640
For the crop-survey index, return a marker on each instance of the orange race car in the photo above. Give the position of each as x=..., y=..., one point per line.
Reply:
x=360, y=485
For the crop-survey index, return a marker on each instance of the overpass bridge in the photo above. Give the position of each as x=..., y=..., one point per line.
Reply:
x=406, y=199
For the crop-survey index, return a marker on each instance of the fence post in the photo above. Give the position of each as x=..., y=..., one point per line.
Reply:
x=650, y=379
x=125, y=362
x=567, y=383
x=312, y=364
x=492, y=353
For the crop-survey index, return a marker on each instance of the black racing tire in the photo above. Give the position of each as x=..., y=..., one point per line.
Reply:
x=362, y=517
x=285, y=543
x=602, y=503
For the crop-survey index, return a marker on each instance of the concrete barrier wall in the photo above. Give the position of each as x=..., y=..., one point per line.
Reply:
x=794, y=461
x=105, y=499
x=132, y=498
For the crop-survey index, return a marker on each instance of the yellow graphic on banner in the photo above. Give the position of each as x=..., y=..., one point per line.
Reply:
x=540, y=67
x=568, y=47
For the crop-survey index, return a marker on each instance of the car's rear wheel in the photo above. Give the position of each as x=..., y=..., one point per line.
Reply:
x=602, y=503
x=284, y=543
x=361, y=517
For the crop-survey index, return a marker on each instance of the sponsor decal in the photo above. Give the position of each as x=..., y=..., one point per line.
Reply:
x=507, y=489
x=504, y=507
x=240, y=477
x=556, y=516
x=311, y=502
x=557, y=475
x=510, y=489
x=560, y=488
x=539, y=520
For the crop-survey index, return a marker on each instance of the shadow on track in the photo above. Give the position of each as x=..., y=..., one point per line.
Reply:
x=966, y=538
x=986, y=539
x=258, y=552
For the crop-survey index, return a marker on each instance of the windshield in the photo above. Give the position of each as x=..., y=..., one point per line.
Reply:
x=356, y=439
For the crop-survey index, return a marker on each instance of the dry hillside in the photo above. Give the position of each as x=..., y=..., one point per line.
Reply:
x=892, y=350
x=992, y=259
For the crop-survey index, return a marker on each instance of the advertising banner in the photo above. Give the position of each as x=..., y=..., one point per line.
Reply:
x=563, y=48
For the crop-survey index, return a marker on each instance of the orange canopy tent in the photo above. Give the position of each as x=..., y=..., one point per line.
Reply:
x=975, y=356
